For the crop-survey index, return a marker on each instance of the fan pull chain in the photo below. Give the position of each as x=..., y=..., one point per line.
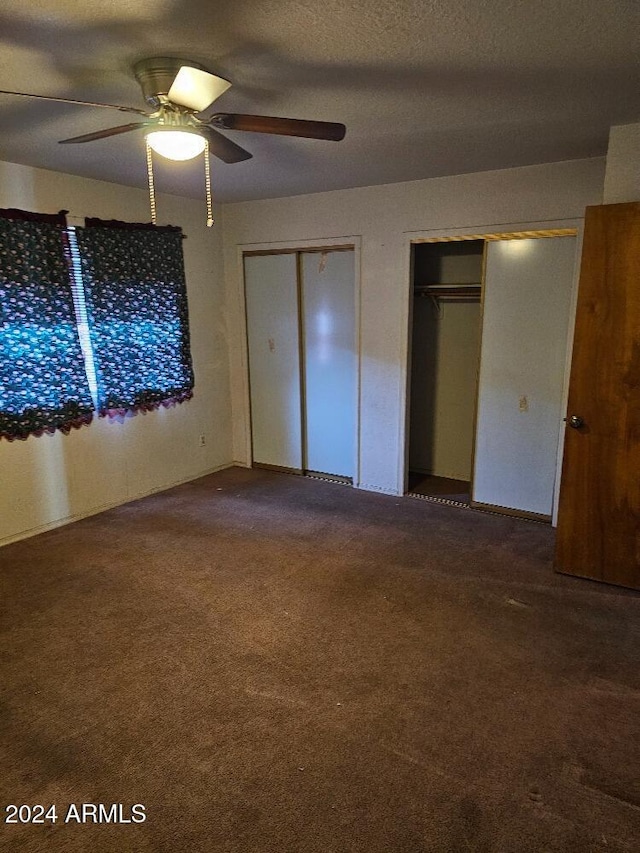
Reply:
x=207, y=182
x=152, y=189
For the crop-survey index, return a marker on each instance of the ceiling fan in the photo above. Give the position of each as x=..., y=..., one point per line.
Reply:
x=178, y=91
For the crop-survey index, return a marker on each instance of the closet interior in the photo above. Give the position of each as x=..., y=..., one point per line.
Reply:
x=489, y=331
x=445, y=354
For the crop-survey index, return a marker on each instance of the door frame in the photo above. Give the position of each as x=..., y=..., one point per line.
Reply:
x=410, y=359
x=501, y=231
x=351, y=243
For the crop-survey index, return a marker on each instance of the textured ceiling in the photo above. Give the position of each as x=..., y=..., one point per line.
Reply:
x=425, y=87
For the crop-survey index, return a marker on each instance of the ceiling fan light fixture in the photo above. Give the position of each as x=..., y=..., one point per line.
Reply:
x=196, y=88
x=176, y=144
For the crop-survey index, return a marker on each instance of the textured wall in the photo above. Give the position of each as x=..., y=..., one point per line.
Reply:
x=384, y=217
x=444, y=373
x=622, y=177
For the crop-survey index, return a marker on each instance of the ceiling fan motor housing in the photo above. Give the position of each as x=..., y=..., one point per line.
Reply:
x=156, y=76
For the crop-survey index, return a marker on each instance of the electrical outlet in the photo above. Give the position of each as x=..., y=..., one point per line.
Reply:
x=202, y=440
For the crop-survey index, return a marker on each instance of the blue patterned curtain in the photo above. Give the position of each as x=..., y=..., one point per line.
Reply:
x=137, y=307
x=43, y=385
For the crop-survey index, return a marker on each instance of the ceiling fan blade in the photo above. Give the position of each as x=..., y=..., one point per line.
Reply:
x=284, y=126
x=196, y=89
x=222, y=148
x=103, y=134
x=72, y=101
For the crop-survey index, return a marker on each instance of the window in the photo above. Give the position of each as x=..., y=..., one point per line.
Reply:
x=82, y=321
x=136, y=308
x=93, y=318
x=43, y=386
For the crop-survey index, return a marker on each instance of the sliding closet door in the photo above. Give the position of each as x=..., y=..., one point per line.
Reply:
x=527, y=296
x=271, y=289
x=329, y=329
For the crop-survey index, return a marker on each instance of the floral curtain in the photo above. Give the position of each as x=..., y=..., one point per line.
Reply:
x=137, y=307
x=43, y=385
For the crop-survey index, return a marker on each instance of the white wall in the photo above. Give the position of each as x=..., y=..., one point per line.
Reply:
x=55, y=478
x=444, y=378
x=384, y=218
x=622, y=177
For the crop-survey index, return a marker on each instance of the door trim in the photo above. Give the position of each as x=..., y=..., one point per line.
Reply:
x=537, y=233
x=347, y=247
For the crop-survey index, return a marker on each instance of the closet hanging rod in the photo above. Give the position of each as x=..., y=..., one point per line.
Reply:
x=476, y=285
x=449, y=291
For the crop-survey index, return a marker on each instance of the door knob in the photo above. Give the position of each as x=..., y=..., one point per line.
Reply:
x=575, y=421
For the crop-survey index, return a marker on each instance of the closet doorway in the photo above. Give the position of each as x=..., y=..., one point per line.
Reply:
x=444, y=368
x=301, y=332
x=509, y=438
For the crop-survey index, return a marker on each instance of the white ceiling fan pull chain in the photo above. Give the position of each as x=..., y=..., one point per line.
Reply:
x=152, y=189
x=207, y=182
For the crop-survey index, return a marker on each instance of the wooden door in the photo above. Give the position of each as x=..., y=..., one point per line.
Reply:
x=599, y=510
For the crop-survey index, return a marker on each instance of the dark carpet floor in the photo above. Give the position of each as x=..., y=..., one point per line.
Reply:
x=443, y=488
x=269, y=663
